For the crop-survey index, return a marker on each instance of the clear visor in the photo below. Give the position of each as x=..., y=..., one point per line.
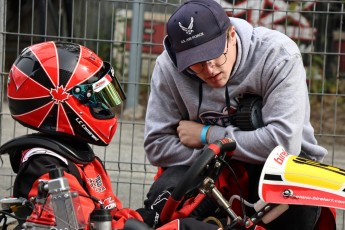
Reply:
x=102, y=96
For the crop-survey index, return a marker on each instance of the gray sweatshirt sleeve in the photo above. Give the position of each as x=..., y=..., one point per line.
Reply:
x=285, y=114
x=164, y=111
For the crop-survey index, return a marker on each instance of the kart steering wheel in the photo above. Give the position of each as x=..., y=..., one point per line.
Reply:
x=196, y=174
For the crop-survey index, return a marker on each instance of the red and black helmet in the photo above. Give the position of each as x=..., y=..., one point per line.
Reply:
x=65, y=89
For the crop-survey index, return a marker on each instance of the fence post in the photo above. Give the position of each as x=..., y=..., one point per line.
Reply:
x=135, y=60
x=2, y=58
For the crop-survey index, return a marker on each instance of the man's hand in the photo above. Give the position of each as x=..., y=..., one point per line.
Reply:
x=189, y=133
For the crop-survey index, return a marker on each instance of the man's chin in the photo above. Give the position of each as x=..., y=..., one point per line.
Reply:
x=217, y=83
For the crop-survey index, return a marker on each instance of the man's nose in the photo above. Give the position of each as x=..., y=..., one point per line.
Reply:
x=209, y=65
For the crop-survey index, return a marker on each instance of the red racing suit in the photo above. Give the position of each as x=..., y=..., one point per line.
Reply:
x=95, y=183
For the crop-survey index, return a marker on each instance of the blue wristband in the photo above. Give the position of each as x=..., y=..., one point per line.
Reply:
x=203, y=134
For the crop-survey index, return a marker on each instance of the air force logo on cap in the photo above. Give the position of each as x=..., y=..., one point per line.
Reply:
x=188, y=29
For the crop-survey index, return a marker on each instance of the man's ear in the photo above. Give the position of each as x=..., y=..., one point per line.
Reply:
x=232, y=34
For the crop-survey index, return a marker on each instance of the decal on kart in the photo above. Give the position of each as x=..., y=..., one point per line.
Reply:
x=291, y=179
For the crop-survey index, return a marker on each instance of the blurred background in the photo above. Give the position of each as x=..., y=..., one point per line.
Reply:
x=129, y=34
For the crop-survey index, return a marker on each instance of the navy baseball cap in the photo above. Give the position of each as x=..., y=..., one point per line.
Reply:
x=197, y=32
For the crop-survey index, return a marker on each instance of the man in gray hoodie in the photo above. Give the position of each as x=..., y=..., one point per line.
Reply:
x=210, y=63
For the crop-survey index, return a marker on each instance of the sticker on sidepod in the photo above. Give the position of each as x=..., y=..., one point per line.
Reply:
x=305, y=171
x=294, y=169
x=304, y=177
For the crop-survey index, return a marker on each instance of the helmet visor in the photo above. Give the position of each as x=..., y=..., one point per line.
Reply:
x=102, y=96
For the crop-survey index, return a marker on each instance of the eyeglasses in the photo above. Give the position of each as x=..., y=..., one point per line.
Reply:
x=197, y=68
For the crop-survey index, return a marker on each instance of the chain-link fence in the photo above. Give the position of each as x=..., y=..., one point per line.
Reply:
x=129, y=34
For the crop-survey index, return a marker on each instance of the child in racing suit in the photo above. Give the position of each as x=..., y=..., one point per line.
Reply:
x=69, y=95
